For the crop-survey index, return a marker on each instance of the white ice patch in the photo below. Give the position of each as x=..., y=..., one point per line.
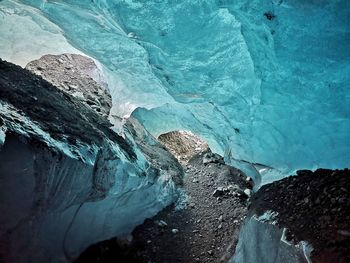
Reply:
x=25, y=34
x=2, y=135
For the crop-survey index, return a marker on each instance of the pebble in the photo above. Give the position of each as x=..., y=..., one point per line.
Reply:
x=161, y=223
x=218, y=192
x=248, y=192
x=175, y=230
x=210, y=252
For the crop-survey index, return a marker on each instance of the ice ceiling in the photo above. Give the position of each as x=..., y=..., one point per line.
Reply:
x=262, y=81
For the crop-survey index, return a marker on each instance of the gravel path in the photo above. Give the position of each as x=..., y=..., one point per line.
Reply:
x=205, y=231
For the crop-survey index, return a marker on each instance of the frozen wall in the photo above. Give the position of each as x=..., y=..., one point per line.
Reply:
x=261, y=240
x=262, y=81
x=66, y=179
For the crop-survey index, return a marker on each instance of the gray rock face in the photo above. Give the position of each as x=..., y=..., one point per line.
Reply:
x=183, y=144
x=76, y=75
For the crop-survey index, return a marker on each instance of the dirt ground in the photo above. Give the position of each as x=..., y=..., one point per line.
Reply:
x=205, y=231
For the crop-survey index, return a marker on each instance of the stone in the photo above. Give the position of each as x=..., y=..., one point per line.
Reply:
x=248, y=192
x=212, y=158
x=218, y=192
x=76, y=75
x=174, y=230
x=161, y=223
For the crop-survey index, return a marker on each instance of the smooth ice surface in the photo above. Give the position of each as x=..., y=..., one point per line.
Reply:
x=27, y=35
x=266, y=91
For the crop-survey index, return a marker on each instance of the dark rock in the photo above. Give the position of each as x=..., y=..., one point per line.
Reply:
x=212, y=158
x=269, y=15
x=219, y=192
x=311, y=206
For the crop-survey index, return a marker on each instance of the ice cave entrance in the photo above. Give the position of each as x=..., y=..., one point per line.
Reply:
x=183, y=144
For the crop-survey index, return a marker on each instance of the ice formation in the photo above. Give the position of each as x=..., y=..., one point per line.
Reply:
x=66, y=179
x=265, y=81
x=261, y=240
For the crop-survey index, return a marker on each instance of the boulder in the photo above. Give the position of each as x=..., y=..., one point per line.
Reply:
x=76, y=75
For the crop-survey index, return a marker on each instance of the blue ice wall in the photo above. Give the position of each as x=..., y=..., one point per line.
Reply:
x=267, y=81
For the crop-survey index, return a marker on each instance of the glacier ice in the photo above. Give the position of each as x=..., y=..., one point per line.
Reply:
x=261, y=240
x=259, y=88
x=27, y=35
x=66, y=179
x=271, y=91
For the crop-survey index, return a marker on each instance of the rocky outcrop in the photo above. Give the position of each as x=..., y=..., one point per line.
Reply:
x=76, y=75
x=301, y=218
x=66, y=179
x=183, y=144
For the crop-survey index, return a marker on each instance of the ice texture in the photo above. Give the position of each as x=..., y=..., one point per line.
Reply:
x=270, y=91
x=261, y=240
x=66, y=179
x=262, y=81
x=25, y=34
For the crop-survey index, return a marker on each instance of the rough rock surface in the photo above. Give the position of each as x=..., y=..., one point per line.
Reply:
x=76, y=75
x=63, y=171
x=183, y=144
x=313, y=207
x=65, y=118
x=205, y=231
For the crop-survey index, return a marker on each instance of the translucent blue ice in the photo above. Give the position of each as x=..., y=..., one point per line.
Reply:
x=265, y=81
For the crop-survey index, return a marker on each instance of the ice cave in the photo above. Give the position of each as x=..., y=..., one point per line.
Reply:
x=175, y=131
